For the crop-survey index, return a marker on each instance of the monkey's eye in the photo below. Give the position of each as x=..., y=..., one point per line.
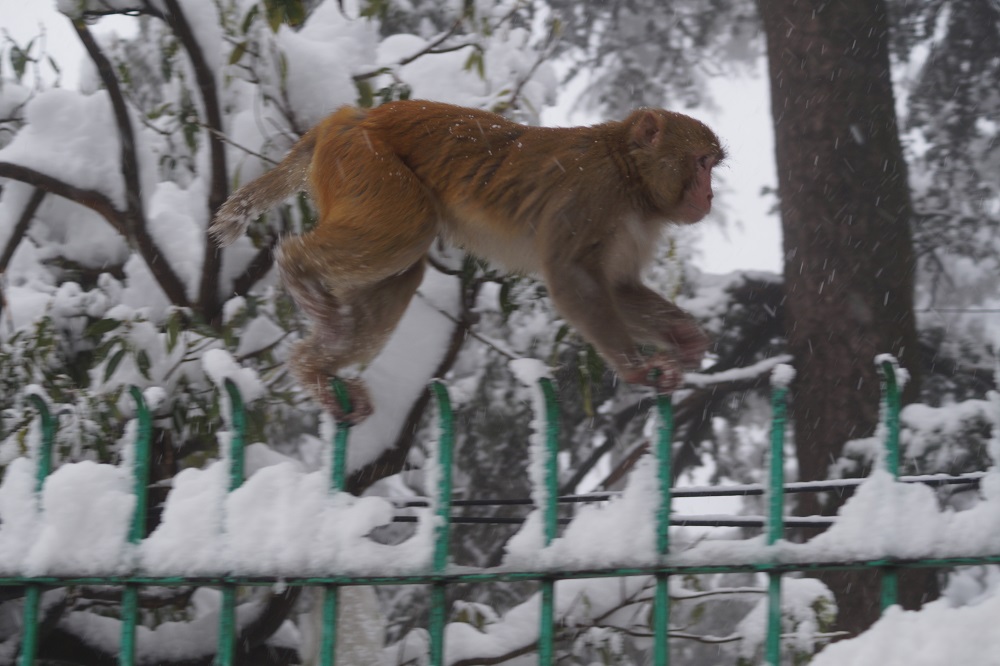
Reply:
x=705, y=161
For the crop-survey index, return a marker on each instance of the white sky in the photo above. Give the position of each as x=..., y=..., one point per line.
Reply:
x=751, y=237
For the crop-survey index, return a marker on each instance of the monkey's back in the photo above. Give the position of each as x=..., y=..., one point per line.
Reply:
x=496, y=181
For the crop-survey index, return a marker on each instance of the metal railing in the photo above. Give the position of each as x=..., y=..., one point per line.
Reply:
x=439, y=577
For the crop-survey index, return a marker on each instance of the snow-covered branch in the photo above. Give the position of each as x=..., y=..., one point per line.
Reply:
x=208, y=291
x=134, y=217
x=92, y=199
x=129, y=160
x=20, y=228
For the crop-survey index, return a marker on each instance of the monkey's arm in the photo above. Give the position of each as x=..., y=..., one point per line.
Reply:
x=654, y=320
x=584, y=298
x=616, y=314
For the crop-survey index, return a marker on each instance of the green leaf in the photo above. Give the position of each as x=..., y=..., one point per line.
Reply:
x=295, y=12
x=274, y=14
x=366, y=94
x=158, y=111
x=18, y=61
x=283, y=67
x=104, y=349
x=97, y=329
x=142, y=360
x=507, y=304
x=375, y=9
x=595, y=363
x=306, y=211
x=249, y=18
x=475, y=61
x=561, y=334
x=112, y=365
x=173, y=330
x=238, y=53
x=698, y=613
x=587, y=394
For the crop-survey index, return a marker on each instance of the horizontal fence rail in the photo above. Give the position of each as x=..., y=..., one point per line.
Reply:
x=438, y=576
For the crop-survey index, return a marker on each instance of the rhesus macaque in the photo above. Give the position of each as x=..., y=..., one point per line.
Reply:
x=582, y=207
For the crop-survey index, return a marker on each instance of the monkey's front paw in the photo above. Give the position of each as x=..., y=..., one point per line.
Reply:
x=359, y=403
x=661, y=372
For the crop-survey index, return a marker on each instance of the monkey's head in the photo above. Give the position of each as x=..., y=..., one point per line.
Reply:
x=674, y=155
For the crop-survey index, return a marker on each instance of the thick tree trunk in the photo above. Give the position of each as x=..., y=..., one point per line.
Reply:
x=845, y=209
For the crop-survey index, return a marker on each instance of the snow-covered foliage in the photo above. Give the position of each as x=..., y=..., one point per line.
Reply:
x=136, y=159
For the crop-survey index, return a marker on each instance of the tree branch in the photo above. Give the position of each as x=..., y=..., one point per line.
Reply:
x=208, y=291
x=422, y=52
x=21, y=227
x=600, y=621
x=393, y=460
x=92, y=199
x=134, y=217
x=130, y=163
x=255, y=270
x=273, y=613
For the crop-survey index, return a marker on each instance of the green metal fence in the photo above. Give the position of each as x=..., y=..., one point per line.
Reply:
x=439, y=577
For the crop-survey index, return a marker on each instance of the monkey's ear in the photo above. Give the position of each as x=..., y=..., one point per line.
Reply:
x=646, y=129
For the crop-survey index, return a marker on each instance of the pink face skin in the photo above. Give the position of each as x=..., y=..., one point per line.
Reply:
x=697, y=200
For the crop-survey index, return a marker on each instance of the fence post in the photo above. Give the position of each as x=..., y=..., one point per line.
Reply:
x=443, y=527
x=137, y=530
x=546, y=637
x=43, y=465
x=226, y=653
x=776, y=507
x=890, y=409
x=661, y=602
x=338, y=476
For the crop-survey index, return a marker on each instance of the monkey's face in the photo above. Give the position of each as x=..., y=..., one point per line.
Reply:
x=675, y=155
x=696, y=198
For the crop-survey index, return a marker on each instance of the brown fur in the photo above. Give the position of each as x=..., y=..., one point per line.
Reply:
x=580, y=206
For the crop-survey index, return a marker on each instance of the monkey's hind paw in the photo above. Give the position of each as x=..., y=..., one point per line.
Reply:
x=358, y=399
x=661, y=372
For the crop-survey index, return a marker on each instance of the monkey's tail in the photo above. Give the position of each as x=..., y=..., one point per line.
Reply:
x=257, y=196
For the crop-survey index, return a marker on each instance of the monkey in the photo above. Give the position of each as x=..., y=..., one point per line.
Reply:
x=581, y=207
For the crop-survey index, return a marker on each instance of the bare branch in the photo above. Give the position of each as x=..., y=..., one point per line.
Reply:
x=222, y=137
x=208, y=291
x=433, y=45
x=430, y=48
x=134, y=218
x=393, y=460
x=129, y=161
x=466, y=325
x=256, y=269
x=21, y=227
x=600, y=621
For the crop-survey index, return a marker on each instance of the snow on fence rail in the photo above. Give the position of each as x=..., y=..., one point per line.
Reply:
x=305, y=531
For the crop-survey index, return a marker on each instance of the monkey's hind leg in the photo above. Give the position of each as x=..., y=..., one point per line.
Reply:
x=349, y=326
